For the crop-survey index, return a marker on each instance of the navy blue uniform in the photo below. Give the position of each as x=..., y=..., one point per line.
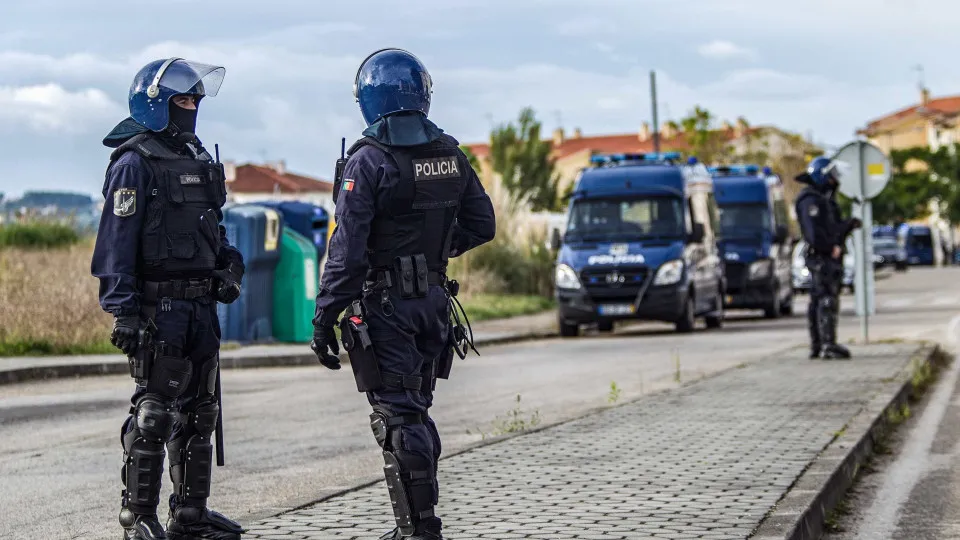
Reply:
x=823, y=229
x=410, y=334
x=154, y=263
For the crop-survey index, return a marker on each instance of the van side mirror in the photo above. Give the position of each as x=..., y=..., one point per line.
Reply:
x=781, y=234
x=698, y=233
x=555, y=240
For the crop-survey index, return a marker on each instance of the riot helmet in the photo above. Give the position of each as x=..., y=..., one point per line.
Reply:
x=391, y=81
x=159, y=81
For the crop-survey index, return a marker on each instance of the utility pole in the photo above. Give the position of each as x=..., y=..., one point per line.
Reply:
x=656, y=121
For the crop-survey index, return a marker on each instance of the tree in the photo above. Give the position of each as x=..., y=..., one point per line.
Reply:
x=919, y=176
x=523, y=161
x=708, y=144
x=471, y=157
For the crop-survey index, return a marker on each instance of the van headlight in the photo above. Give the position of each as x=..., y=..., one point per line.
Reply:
x=669, y=273
x=760, y=269
x=566, y=278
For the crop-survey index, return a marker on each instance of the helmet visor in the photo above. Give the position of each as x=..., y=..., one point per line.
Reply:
x=186, y=77
x=833, y=171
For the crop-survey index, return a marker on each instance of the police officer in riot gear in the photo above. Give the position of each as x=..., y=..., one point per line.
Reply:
x=825, y=232
x=164, y=262
x=407, y=200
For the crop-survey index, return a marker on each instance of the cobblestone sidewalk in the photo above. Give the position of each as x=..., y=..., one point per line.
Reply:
x=705, y=461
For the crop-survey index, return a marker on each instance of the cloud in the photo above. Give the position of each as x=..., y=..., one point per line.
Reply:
x=49, y=108
x=725, y=50
x=586, y=26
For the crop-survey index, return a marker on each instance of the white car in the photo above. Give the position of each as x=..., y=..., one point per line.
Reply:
x=801, y=274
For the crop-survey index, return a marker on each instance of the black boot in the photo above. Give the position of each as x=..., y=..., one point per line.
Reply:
x=815, y=351
x=836, y=352
x=140, y=527
x=194, y=523
x=428, y=529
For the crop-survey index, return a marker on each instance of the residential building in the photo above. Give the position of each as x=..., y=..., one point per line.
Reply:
x=932, y=122
x=272, y=181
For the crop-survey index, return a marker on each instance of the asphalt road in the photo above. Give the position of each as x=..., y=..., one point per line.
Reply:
x=295, y=434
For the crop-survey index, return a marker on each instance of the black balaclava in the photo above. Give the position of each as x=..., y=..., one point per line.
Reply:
x=184, y=120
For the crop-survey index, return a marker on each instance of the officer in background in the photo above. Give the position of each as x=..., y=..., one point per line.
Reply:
x=825, y=232
x=163, y=261
x=407, y=199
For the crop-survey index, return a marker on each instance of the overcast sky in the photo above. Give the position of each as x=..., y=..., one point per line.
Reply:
x=820, y=66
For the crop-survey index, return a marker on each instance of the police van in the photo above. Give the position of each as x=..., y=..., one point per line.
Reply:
x=754, y=239
x=639, y=244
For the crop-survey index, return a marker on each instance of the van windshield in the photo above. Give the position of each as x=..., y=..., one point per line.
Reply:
x=921, y=240
x=738, y=220
x=626, y=219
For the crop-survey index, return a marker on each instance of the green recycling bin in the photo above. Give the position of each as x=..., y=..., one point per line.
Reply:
x=295, y=289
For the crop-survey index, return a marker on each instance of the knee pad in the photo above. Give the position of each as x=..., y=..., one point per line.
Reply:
x=208, y=377
x=386, y=427
x=154, y=419
x=204, y=418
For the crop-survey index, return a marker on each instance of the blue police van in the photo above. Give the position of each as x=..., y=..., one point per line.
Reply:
x=754, y=239
x=918, y=241
x=639, y=244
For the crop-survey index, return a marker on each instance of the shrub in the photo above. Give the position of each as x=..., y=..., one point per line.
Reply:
x=37, y=235
x=516, y=261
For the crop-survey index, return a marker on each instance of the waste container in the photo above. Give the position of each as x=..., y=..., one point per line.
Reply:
x=295, y=289
x=309, y=220
x=256, y=232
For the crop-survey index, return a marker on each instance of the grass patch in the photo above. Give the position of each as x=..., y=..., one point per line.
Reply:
x=47, y=348
x=38, y=235
x=48, y=303
x=516, y=420
x=482, y=307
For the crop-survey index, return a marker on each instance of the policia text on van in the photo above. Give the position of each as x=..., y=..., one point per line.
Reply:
x=640, y=244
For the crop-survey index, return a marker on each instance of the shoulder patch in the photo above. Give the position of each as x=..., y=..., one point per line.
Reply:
x=348, y=184
x=125, y=202
x=436, y=168
x=814, y=210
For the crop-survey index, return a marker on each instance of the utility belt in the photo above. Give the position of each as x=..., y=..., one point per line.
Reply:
x=409, y=278
x=175, y=289
x=355, y=335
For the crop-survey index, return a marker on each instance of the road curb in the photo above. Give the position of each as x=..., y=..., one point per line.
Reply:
x=228, y=360
x=804, y=509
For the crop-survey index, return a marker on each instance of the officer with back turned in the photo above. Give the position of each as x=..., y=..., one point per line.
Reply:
x=825, y=231
x=407, y=199
x=163, y=261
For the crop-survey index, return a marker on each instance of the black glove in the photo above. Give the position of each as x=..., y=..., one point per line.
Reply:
x=227, y=284
x=126, y=334
x=324, y=342
x=855, y=224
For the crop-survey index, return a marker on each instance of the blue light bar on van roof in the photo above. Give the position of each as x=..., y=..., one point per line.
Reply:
x=736, y=170
x=601, y=159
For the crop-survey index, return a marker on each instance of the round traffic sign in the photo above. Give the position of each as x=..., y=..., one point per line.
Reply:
x=864, y=170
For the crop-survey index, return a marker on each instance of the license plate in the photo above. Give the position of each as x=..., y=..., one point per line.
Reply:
x=617, y=309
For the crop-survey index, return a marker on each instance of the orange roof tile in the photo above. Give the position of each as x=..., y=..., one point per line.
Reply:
x=261, y=179
x=944, y=105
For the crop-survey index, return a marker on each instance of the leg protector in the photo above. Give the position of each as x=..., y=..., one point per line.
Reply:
x=410, y=478
x=813, y=325
x=147, y=431
x=191, y=456
x=827, y=320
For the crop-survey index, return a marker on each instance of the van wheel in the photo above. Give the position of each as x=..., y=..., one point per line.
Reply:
x=686, y=322
x=605, y=326
x=569, y=330
x=786, y=308
x=774, y=310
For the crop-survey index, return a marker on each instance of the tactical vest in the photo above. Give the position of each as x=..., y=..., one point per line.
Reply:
x=422, y=207
x=826, y=222
x=180, y=237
